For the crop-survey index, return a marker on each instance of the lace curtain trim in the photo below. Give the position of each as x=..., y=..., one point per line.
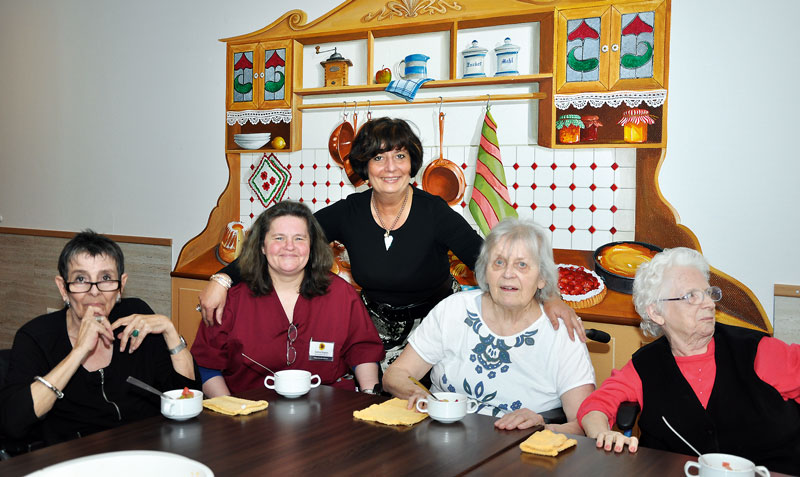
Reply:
x=632, y=99
x=259, y=116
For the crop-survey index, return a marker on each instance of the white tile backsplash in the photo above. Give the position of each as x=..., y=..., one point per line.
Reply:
x=533, y=195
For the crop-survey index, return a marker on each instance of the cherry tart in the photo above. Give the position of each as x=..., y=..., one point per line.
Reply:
x=580, y=287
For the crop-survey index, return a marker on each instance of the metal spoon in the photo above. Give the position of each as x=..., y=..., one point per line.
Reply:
x=680, y=436
x=147, y=387
x=251, y=359
x=422, y=386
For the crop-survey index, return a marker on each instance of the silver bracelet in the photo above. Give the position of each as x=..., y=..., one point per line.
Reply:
x=222, y=280
x=59, y=394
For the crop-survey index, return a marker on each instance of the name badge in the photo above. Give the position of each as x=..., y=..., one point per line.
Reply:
x=320, y=350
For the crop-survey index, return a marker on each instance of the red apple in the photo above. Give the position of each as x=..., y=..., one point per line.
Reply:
x=384, y=75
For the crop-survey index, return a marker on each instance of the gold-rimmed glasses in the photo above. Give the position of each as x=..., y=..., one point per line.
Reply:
x=291, y=353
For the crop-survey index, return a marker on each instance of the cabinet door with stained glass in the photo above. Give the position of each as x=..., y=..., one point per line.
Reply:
x=638, y=45
x=275, y=73
x=243, y=77
x=583, y=50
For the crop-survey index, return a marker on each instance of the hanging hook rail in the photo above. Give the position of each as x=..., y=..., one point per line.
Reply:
x=457, y=99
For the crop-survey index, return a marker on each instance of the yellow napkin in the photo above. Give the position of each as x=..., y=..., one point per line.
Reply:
x=392, y=412
x=547, y=442
x=234, y=406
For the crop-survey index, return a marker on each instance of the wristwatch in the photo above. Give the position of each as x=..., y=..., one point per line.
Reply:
x=178, y=348
x=375, y=390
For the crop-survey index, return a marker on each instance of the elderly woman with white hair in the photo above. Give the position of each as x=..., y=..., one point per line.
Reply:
x=496, y=344
x=717, y=385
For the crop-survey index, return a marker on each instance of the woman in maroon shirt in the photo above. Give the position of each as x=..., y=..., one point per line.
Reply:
x=289, y=312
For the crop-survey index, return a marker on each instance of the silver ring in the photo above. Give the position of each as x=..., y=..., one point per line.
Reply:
x=197, y=308
x=579, y=318
x=98, y=319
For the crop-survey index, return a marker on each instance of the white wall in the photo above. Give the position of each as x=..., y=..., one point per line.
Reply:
x=112, y=112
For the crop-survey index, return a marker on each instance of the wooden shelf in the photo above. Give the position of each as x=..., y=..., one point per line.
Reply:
x=450, y=83
x=202, y=267
x=611, y=144
x=256, y=151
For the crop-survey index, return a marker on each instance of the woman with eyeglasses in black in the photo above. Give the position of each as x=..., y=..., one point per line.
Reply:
x=68, y=369
x=289, y=312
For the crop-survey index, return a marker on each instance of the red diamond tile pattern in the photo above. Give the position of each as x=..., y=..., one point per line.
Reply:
x=328, y=184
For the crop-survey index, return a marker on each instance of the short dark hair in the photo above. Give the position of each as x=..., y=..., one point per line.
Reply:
x=380, y=135
x=94, y=244
x=253, y=263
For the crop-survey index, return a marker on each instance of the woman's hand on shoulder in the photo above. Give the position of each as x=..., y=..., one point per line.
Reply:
x=616, y=440
x=137, y=327
x=92, y=330
x=519, y=419
x=555, y=308
x=212, y=302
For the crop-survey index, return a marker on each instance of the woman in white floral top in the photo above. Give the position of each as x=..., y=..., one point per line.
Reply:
x=493, y=344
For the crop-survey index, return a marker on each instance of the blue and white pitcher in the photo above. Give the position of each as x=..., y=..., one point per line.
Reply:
x=416, y=67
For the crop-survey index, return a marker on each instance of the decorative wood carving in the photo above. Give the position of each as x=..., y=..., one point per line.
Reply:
x=410, y=9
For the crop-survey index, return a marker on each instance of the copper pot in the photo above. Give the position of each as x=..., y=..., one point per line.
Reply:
x=339, y=145
x=340, y=142
x=443, y=177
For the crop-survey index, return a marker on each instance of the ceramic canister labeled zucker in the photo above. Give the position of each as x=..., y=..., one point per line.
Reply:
x=474, y=59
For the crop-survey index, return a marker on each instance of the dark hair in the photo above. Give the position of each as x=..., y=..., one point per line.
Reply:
x=253, y=262
x=94, y=244
x=380, y=135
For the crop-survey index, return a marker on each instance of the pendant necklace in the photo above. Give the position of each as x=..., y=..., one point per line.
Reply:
x=387, y=237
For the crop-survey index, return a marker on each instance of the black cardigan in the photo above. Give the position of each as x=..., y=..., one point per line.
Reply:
x=745, y=416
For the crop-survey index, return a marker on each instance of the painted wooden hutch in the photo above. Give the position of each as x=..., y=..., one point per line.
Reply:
x=595, y=57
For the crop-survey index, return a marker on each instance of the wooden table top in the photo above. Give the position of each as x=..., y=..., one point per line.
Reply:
x=313, y=434
x=587, y=459
x=317, y=435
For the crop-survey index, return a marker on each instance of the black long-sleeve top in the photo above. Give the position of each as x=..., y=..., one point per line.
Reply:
x=416, y=265
x=93, y=401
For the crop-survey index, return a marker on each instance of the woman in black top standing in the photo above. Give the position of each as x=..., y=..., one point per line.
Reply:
x=397, y=237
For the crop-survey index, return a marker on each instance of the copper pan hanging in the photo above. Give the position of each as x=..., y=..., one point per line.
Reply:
x=341, y=139
x=443, y=177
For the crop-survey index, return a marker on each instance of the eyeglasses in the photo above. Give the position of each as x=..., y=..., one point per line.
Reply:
x=291, y=353
x=83, y=287
x=695, y=297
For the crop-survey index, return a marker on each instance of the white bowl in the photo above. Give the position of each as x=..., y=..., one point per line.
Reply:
x=251, y=141
x=182, y=409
